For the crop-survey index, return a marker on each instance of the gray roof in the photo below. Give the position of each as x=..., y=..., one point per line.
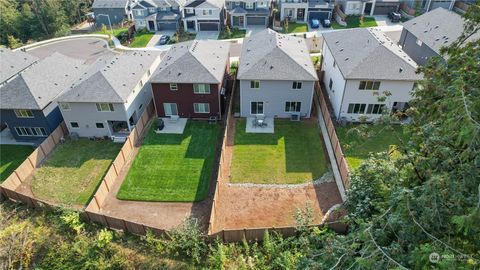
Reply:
x=437, y=28
x=198, y=61
x=206, y=3
x=363, y=53
x=110, y=3
x=269, y=55
x=167, y=16
x=112, y=78
x=12, y=63
x=40, y=84
x=238, y=10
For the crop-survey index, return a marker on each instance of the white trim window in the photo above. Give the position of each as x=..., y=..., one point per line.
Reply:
x=356, y=108
x=31, y=131
x=375, y=108
x=64, y=106
x=189, y=10
x=256, y=107
x=173, y=87
x=201, y=88
x=99, y=125
x=138, y=12
x=201, y=107
x=297, y=85
x=74, y=125
x=254, y=84
x=369, y=85
x=141, y=22
x=24, y=113
x=105, y=107
x=249, y=5
x=152, y=10
x=293, y=106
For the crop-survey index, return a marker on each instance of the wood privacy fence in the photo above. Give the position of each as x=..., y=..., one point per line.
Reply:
x=332, y=135
x=25, y=170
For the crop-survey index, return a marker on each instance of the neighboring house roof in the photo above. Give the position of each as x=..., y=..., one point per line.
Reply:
x=167, y=16
x=111, y=79
x=238, y=10
x=269, y=55
x=12, y=63
x=437, y=28
x=110, y=3
x=40, y=84
x=206, y=4
x=197, y=61
x=363, y=53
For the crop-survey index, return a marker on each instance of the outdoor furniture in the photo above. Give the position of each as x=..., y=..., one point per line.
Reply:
x=259, y=121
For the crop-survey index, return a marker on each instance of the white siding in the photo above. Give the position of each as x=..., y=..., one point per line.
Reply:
x=336, y=93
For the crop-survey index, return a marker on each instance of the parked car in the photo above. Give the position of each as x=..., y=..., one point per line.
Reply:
x=314, y=23
x=326, y=23
x=394, y=16
x=164, y=39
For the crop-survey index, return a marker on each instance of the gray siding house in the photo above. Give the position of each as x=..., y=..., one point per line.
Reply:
x=276, y=76
x=245, y=13
x=369, y=7
x=28, y=104
x=156, y=15
x=110, y=97
x=305, y=10
x=204, y=15
x=423, y=36
x=116, y=10
x=428, y=5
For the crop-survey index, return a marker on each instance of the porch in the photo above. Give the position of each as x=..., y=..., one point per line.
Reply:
x=259, y=125
x=172, y=125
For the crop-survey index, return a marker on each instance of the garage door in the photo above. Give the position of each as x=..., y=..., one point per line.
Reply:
x=209, y=26
x=167, y=26
x=384, y=9
x=256, y=21
x=319, y=15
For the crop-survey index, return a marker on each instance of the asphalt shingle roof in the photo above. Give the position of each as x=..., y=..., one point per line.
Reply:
x=111, y=79
x=40, y=84
x=198, y=61
x=206, y=3
x=363, y=53
x=110, y=3
x=12, y=63
x=269, y=55
x=437, y=28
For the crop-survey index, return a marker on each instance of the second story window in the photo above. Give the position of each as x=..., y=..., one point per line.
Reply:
x=369, y=85
x=105, y=107
x=24, y=113
x=152, y=10
x=173, y=87
x=189, y=10
x=297, y=85
x=249, y=5
x=255, y=84
x=139, y=12
x=201, y=88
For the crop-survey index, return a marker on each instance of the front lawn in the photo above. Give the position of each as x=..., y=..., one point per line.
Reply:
x=234, y=33
x=141, y=39
x=354, y=22
x=293, y=154
x=116, y=31
x=73, y=171
x=358, y=141
x=294, y=27
x=11, y=156
x=185, y=36
x=173, y=167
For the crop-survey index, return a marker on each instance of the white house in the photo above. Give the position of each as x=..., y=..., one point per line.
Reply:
x=204, y=15
x=360, y=65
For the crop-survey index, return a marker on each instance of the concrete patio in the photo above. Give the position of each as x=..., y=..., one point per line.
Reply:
x=6, y=137
x=269, y=128
x=171, y=127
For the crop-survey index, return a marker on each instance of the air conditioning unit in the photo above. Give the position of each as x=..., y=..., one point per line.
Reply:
x=295, y=117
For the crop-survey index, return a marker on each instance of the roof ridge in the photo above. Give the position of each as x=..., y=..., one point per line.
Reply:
x=30, y=91
x=105, y=78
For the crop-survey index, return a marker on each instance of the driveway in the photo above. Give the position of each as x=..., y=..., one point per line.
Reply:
x=88, y=49
x=252, y=30
x=383, y=20
x=156, y=37
x=205, y=35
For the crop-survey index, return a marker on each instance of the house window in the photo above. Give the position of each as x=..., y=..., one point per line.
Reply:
x=152, y=10
x=31, y=131
x=105, y=107
x=74, y=125
x=291, y=106
x=297, y=85
x=201, y=88
x=189, y=10
x=139, y=12
x=419, y=42
x=173, y=87
x=261, y=5
x=210, y=12
x=201, y=107
x=99, y=125
x=356, y=108
x=330, y=84
x=256, y=107
x=64, y=106
x=249, y=5
x=141, y=23
x=255, y=84
x=369, y=85
x=375, y=108
x=24, y=113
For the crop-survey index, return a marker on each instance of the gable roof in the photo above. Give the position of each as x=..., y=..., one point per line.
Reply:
x=12, y=63
x=206, y=4
x=39, y=85
x=111, y=79
x=198, y=61
x=363, y=53
x=110, y=3
x=269, y=55
x=437, y=28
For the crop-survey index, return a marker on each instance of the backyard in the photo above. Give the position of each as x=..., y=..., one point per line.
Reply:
x=293, y=154
x=358, y=141
x=173, y=167
x=11, y=156
x=72, y=173
x=355, y=21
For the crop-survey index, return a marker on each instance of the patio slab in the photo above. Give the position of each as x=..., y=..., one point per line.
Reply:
x=173, y=127
x=6, y=137
x=268, y=129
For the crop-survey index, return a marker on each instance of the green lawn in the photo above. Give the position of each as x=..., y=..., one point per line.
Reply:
x=11, y=156
x=354, y=22
x=116, y=31
x=72, y=173
x=358, y=141
x=184, y=37
x=316, y=61
x=173, y=167
x=293, y=154
x=294, y=27
x=141, y=39
x=235, y=33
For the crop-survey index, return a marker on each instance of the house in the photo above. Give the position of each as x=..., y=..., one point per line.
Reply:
x=204, y=15
x=157, y=15
x=360, y=65
x=305, y=10
x=369, y=7
x=241, y=14
x=276, y=76
x=28, y=100
x=413, y=6
x=423, y=36
x=13, y=63
x=190, y=80
x=110, y=97
x=114, y=10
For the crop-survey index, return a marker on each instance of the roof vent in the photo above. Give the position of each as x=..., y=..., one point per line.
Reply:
x=271, y=67
x=346, y=59
x=341, y=49
x=179, y=74
x=400, y=70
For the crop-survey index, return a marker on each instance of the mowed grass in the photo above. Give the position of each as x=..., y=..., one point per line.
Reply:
x=293, y=154
x=11, y=156
x=72, y=173
x=358, y=141
x=141, y=39
x=235, y=33
x=294, y=27
x=354, y=22
x=173, y=167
